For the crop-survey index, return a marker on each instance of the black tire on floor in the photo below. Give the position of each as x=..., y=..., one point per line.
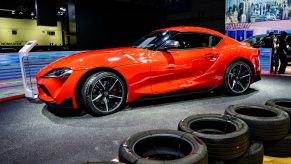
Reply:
x=226, y=137
x=237, y=78
x=104, y=93
x=254, y=155
x=265, y=123
x=102, y=162
x=281, y=103
x=281, y=148
x=163, y=147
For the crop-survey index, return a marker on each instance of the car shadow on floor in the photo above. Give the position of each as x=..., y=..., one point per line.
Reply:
x=65, y=112
x=176, y=98
x=56, y=113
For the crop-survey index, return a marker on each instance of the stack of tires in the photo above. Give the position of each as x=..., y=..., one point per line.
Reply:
x=227, y=138
x=241, y=136
x=282, y=147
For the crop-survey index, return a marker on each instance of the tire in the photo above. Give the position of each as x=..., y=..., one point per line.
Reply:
x=226, y=137
x=163, y=147
x=102, y=162
x=279, y=148
x=104, y=93
x=254, y=155
x=265, y=123
x=283, y=104
x=237, y=78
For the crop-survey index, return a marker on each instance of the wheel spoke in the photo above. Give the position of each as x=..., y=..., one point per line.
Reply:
x=245, y=72
x=103, y=87
x=106, y=103
x=238, y=73
x=97, y=98
x=242, y=77
x=113, y=96
x=113, y=85
x=233, y=84
x=240, y=84
x=231, y=74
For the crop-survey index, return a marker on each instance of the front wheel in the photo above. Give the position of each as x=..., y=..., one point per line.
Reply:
x=104, y=93
x=237, y=78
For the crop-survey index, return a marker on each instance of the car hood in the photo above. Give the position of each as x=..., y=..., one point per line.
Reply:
x=113, y=57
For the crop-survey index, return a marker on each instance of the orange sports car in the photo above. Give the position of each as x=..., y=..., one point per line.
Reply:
x=164, y=61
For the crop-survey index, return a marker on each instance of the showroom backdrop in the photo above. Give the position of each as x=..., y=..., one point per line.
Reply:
x=87, y=25
x=246, y=18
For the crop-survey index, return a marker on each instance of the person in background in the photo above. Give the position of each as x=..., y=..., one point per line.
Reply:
x=270, y=42
x=282, y=51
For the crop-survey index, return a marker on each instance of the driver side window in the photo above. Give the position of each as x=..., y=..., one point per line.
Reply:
x=196, y=40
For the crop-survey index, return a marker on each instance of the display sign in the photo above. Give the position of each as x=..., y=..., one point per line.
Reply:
x=16, y=32
x=246, y=18
x=265, y=60
x=22, y=53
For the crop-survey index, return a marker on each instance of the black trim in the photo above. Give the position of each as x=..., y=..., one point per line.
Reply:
x=257, y=78
x=45, y=90
x=189, y=32
x=66, y=103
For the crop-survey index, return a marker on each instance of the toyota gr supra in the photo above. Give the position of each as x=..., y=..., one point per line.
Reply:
x=164, y=61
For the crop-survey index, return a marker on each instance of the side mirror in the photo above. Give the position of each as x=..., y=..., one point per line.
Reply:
x=170, y=44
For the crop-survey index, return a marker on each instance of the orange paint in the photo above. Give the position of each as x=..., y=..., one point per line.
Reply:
x=150, y=72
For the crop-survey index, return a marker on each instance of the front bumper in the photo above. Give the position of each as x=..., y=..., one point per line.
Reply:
x=58, y=92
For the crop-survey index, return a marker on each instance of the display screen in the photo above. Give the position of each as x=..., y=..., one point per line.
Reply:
x=265, y=60
x=247, y=18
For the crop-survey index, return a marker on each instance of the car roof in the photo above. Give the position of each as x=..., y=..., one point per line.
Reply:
x=192, y=29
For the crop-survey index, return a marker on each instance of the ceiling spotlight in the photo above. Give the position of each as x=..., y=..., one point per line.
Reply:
x=60, y=13
x=63, y=9
x=32, y=14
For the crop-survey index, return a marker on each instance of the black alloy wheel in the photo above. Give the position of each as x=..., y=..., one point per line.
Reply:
x=104, y=93
x=238, y=78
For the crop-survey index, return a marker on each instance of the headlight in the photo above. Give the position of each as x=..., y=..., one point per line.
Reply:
x=58, y=72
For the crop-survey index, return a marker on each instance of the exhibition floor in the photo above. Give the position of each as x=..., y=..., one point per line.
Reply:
x=30, y=133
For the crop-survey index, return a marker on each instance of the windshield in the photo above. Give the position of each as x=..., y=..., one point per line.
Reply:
x=153, y=40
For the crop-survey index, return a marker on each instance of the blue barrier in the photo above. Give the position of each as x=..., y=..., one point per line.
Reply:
x=10, y=72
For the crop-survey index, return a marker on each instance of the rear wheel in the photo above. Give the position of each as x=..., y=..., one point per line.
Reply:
x=237, y=78
x=103, y=93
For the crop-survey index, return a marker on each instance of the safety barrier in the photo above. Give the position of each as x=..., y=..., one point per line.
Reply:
x=11, y=84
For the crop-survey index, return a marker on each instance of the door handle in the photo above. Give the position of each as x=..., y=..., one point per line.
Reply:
x=211, y=56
